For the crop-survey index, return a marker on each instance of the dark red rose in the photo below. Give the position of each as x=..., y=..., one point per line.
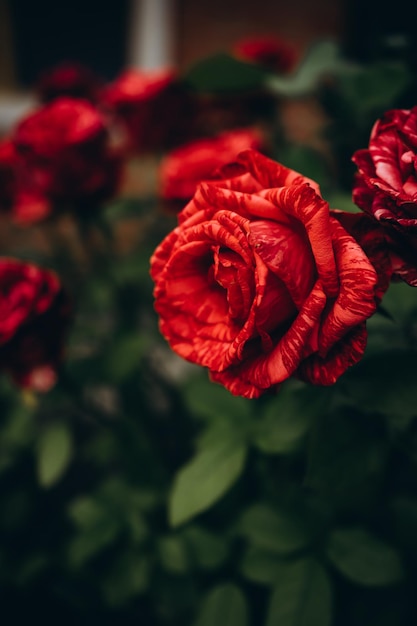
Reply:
x=260, y=281
x=34, y=317
x=144, y=104
x=270, y=52
x=68, y=79
x=182, y=169
x=8, y=159
x=64, y=160
x=386, y=186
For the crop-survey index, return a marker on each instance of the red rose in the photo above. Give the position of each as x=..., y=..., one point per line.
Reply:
x=260, y=282
x=386, y=186
x=8, y=159
x=272, y=53
x=185, y=167
x=68, y=79
x=64, y=159
x=144, y=104
x=33, y=322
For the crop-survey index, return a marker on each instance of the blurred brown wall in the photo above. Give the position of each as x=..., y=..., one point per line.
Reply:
x=209, y=26
x=7, y=73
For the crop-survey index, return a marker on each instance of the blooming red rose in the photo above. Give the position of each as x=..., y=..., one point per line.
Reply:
x=272, y=53
x=182, y=169
x=386, y=186
x=260, y=281
x=68, y=79
x=64, y=159
x=143, y=103
x=34, y=317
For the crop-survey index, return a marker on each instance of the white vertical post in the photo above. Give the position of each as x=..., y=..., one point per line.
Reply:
x=151, y=34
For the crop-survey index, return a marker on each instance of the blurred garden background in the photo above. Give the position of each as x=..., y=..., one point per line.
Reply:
x=133, y=490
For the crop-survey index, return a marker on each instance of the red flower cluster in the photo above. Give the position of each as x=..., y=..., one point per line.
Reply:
x=182, y=169
x=272, y=53
x=57, y=156
x=143, y=104
x=260, y=281
x=34, y=317
x=386, y=186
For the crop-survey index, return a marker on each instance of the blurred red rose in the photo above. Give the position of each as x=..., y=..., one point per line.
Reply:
x=8, y=160
x=260, y=281
x=182, y=169
x=272, y=53
x=68, y=79
x=145, y=104
x=64, y=160
x=34, y=318
x=386, y=186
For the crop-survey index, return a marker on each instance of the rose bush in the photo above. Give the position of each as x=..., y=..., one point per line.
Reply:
x=260, y=281
x=35, y=315
x=182, y=169
x=64, y=158
x=146, y=106
x=272, y=53
x=386, y=185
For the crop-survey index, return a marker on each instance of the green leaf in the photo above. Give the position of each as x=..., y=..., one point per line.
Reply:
x=274, y=530
x=85, y=512
x=223, y=73
x=53, y=453
x=123, y=208
x=321, y=60
x=124, y=356
x=373, y=88
x=173, y=554
x=208, y=400
x=91, y=541
x=348, y=453
x=209, y=550
x=385, y=383
x=305, y=159
x=363, y=558
x=342, y=201
x=302, y=596
x=225, y=605
x=404, y=512
x=287, y=419
x=128, y=577
x=206, y=478
x=261, y=566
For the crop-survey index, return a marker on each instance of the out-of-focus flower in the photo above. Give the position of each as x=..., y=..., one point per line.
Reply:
x=386, y=186
x=8, y=159
x=145, y=104
x=182, y=169
x=272, y=53
x=68, y=79
x=34, y=318
x=260, y=281
x=64, y=160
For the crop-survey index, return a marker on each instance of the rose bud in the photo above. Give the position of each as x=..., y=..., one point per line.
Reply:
x=260, y=282
x=143, y=105
x=386, y=186
x=64, y=160
x=34, y=322
x=182, y=169
x=272, y=53
x=68, y=79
